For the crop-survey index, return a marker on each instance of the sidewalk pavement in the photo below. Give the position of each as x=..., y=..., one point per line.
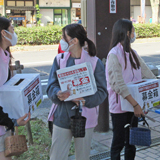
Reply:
x=101, y=143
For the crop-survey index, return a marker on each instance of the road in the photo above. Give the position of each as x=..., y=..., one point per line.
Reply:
x=41, y=61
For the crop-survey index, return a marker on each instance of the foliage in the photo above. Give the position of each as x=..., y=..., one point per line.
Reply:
x=38, y=15
x=42, y=142
x=147, y=30
x=52, y=34
x=39, y=35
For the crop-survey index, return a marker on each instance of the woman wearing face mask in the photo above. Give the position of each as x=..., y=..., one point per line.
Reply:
x=7, y=38
x=74, y=38
x=123, y=66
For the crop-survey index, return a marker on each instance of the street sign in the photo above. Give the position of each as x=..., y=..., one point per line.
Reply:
x=112, y=6
x=18, y=18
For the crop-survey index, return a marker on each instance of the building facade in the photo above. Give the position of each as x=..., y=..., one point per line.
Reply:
x=21, y=12
x=58, y=12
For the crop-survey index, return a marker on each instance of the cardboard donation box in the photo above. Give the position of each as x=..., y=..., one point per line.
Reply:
x=21, y=94
x=146, y=92
x=77, y=79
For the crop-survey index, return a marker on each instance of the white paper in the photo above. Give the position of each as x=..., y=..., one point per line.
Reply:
x=17, y=100
x=146, y=93
x=79, y=79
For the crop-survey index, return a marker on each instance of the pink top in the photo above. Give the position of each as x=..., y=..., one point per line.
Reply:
x=4, y=65
x=127, y=75
x=90, y=113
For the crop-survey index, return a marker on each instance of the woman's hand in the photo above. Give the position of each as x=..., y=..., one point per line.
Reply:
x=138, y=111
x=63, y=95
x=21, y=121
x=76, y=101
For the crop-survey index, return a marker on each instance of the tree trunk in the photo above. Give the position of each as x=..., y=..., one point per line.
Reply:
x=155, y=10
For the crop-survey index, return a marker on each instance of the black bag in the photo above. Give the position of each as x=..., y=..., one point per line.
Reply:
x=140, y=136
x=78, y=124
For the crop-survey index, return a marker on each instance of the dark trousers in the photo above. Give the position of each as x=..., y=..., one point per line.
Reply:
x=121, y=136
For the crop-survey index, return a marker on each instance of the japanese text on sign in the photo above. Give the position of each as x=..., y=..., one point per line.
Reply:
x=148, y=95
x=32, y=91
x=112, y=6
x=72, y=72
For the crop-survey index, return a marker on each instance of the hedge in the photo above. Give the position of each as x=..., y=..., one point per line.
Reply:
x=39, y=35
x=52, y=34
x=147, y=30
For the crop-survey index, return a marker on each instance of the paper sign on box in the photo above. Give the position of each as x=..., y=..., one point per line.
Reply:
x=21, y=94
x=146, y=92
x=78, y=79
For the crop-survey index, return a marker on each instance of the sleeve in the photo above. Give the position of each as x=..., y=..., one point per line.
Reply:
x=5, y=120
x=116, y=80
x=145, y=71
x=53, y=85
x=101, y=94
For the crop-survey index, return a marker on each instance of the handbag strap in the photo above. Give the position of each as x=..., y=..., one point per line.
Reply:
x=16, y=131
x=143, y=119
x=79, y=110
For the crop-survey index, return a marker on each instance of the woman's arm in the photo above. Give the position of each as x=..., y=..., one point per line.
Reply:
x=53, y=85
x=101, y=94
x=118, y=85
x=116, y=80
x=10, y=123
x=5, y=120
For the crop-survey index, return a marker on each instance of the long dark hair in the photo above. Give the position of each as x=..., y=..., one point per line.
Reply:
x=119, y=35
x=78, y=31
x=4, y=25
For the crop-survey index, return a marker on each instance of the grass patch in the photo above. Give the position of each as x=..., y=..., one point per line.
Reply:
x=42, y=142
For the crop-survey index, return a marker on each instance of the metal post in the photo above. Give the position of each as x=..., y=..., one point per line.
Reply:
x=18, y=67
x=99, y=29
x=29, y=133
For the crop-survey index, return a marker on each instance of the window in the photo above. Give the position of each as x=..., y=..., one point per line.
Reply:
x=29, y=3
x=19, y=3
x=11, y=3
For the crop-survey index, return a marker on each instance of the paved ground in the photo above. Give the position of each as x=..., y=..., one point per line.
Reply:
x=102, y=141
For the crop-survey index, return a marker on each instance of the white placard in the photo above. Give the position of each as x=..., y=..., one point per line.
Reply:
x=76, y=5
x=78, y=80
x=21, y=94
x=54, y=3
x=146, y=92
x=112, y=6
x=8, y=11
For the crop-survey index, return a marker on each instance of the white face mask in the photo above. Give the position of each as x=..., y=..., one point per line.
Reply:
x=133, y=39
x=65, y=46
x=14, y=38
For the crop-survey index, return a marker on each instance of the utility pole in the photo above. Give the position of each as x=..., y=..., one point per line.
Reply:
x=101, y=15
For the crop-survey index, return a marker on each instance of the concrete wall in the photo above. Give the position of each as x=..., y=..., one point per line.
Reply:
x=47, y=15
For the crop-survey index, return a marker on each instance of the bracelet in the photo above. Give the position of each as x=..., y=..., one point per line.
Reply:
x=135, y=105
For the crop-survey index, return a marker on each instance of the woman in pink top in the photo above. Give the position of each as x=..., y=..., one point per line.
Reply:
x=123, y=66
x=7, y=38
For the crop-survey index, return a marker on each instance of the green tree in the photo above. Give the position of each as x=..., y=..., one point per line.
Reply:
x=38, y=15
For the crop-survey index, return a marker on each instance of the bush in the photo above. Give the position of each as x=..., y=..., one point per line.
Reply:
x=39, y=35
x=52, y=34
x=147, y=30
